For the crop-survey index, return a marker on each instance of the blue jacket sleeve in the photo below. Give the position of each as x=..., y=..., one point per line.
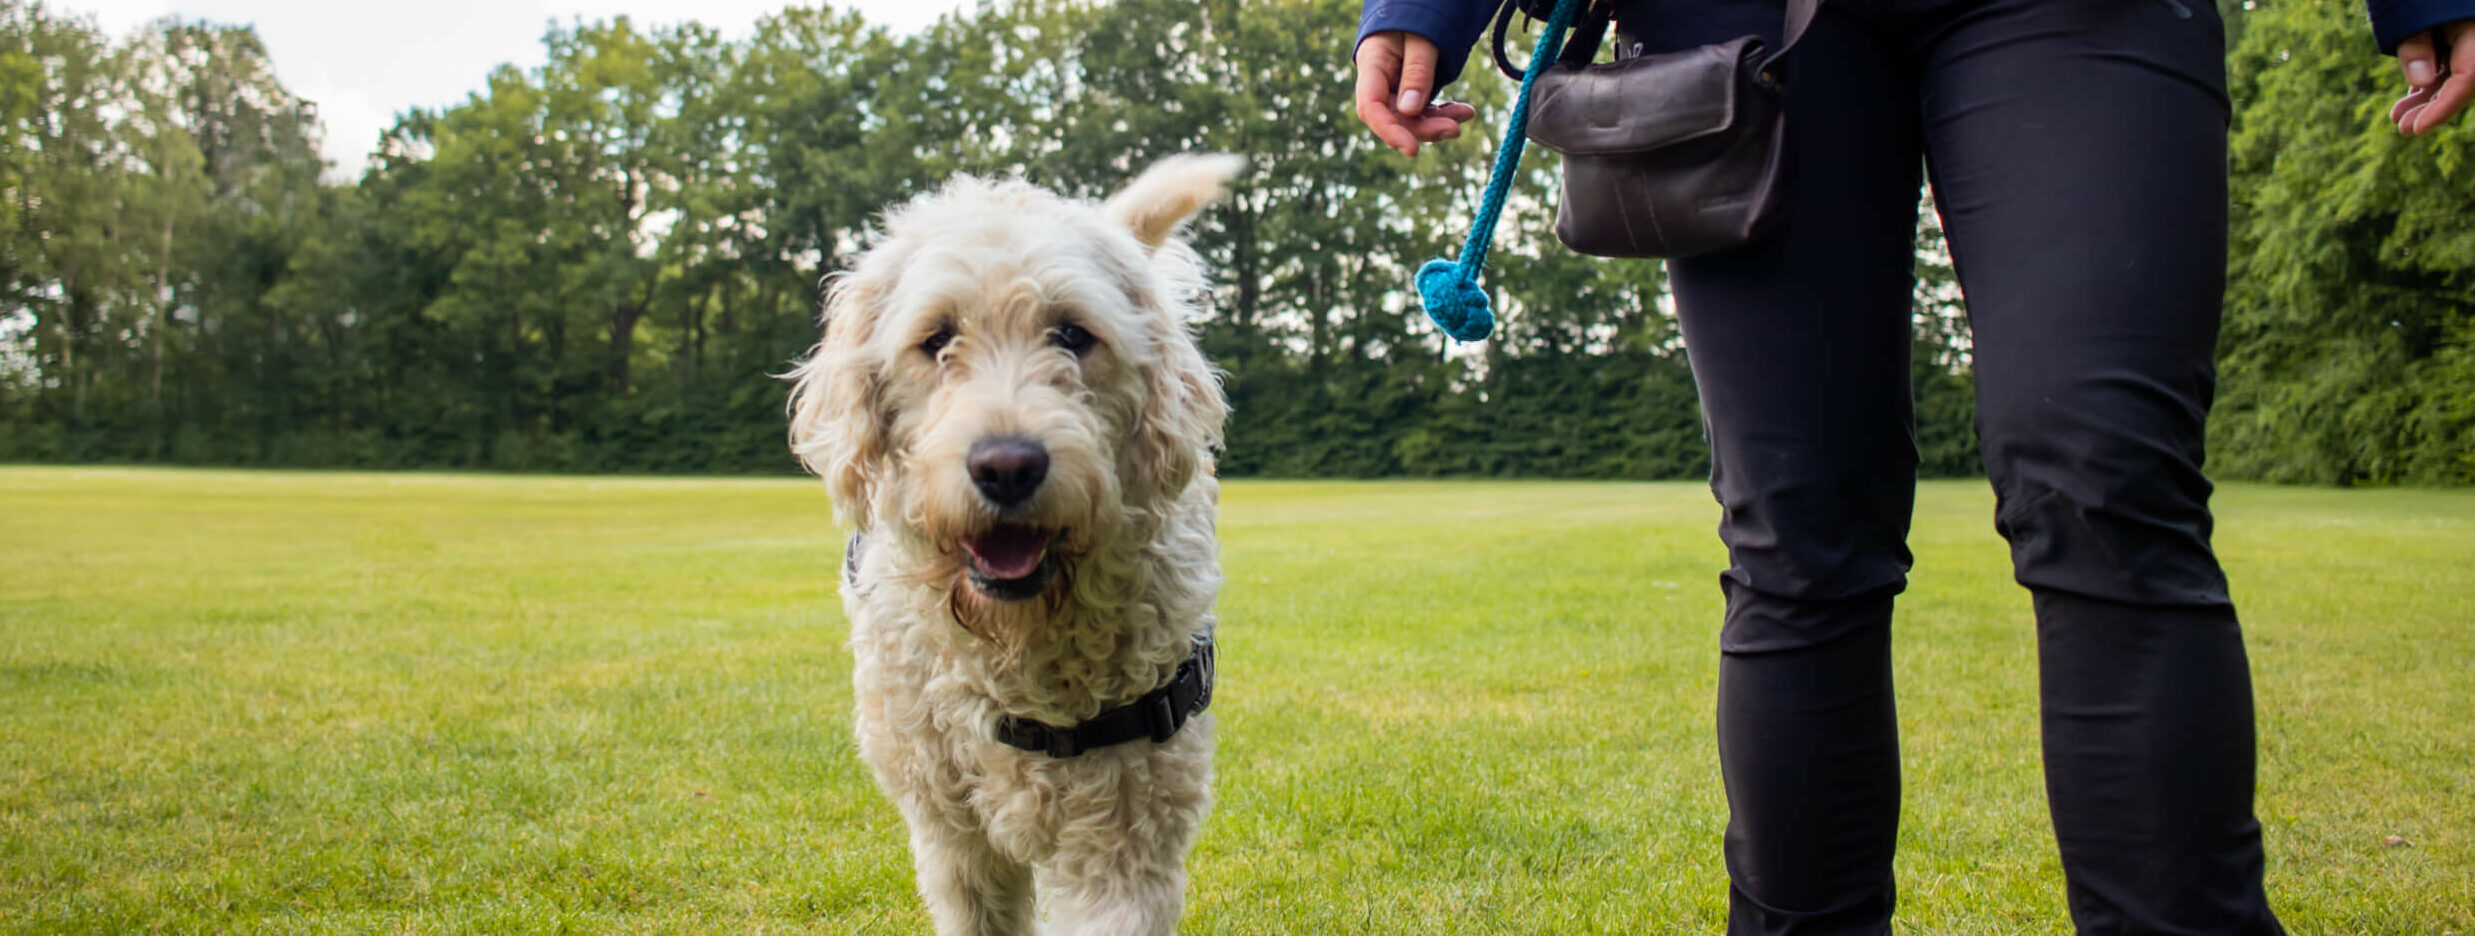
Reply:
x=2393, y=21
x=1453, y=25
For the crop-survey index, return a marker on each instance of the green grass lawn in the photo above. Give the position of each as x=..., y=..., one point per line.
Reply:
x=281, y=702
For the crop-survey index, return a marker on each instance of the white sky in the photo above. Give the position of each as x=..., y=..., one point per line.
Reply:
x=365, y=61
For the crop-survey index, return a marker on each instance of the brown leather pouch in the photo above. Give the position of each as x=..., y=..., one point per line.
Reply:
x=1669, y=155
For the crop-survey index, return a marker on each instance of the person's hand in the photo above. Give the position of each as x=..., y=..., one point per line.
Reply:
x=1396, y=82
x=2435, y=90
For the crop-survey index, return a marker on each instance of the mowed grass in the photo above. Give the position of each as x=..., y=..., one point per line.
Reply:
x=283, y=702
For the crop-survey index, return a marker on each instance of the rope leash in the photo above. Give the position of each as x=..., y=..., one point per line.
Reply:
x=1447, y=289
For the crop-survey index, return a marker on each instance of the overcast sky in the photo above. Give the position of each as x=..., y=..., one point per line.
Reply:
x=364, y=61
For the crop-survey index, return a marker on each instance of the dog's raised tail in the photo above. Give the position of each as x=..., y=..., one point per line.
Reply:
x=1171, y=191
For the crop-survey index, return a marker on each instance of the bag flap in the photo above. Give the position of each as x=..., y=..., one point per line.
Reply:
x=1638, y=104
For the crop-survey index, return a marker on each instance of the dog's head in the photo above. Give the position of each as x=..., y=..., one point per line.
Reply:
x=1008, y=374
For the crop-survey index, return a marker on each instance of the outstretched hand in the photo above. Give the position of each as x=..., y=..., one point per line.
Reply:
x=2435, y=90
x=1396, y=84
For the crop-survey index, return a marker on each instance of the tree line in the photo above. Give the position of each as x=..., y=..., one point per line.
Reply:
x=600, y=263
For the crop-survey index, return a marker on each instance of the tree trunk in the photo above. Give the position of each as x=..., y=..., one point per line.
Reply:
x=1242, y=262
x=163, y=315
x=622, y=342
x=1319, y=322
x=692, y=335
x=72, y=335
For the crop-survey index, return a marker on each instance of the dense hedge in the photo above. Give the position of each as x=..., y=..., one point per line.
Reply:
x=600, y=263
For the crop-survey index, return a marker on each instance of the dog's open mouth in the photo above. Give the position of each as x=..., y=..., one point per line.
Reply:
x=1011, y=562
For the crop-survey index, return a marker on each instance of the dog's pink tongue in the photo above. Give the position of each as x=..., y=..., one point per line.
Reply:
x=1008, y=552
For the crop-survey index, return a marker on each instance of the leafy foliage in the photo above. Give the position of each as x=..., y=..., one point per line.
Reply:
x=2350, y=333
x=599, y=263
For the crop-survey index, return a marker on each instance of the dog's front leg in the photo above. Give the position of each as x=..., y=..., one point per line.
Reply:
x=1125, y=884
x=971, y=889
x=1120, y=868
x=1143, y=904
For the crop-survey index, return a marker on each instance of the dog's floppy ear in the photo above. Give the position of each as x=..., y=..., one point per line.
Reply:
x=1180, y=421
x=837, y=426
x=1182, y=416
x=1171, y=191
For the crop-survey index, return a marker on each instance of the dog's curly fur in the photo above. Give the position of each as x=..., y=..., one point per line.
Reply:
x=946, y=333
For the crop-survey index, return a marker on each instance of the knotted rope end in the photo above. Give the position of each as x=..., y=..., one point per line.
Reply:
x=1455, y=302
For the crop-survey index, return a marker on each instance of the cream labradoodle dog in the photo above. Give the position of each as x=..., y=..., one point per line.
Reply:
x=1008, y=407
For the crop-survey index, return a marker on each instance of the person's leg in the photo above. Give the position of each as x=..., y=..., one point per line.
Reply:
x=1799, y=345
x=2078, y=153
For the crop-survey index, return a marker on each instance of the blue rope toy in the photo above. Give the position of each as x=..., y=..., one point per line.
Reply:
x=1449, y=290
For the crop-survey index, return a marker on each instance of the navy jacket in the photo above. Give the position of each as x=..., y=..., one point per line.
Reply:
x=1455, y=25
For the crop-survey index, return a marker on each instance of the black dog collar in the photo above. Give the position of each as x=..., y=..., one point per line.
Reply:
x=1157, y=715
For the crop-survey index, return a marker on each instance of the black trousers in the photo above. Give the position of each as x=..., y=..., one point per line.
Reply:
x=2077, y=153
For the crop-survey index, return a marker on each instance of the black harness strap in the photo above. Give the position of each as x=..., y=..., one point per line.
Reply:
x=1157, y=715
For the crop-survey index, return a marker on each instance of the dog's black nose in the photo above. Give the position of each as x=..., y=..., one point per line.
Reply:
x=1007, y=469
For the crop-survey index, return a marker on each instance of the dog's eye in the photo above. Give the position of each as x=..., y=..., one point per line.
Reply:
x=1072, y=338
x=938, y=341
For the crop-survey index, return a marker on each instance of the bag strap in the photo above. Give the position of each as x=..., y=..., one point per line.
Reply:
x=1591, y=29
x=1582, y=23
x=1799, y=18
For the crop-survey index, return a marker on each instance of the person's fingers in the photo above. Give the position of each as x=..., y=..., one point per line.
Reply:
x=1395, y=69
x=1379, y=65
x=2413, y=99
x=2446, y=100
x=1417, y=75
x=2446, y=103
x=1389, y=128
x=1440, y=122
x=2417, y=59
x=2457, y=84
x=2420, y=64
x=1430, y=128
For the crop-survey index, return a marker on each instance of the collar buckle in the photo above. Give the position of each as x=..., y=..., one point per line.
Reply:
x=1161, y=717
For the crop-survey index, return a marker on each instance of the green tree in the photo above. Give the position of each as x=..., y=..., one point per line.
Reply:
x=2349, y=348
x=600, y=262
